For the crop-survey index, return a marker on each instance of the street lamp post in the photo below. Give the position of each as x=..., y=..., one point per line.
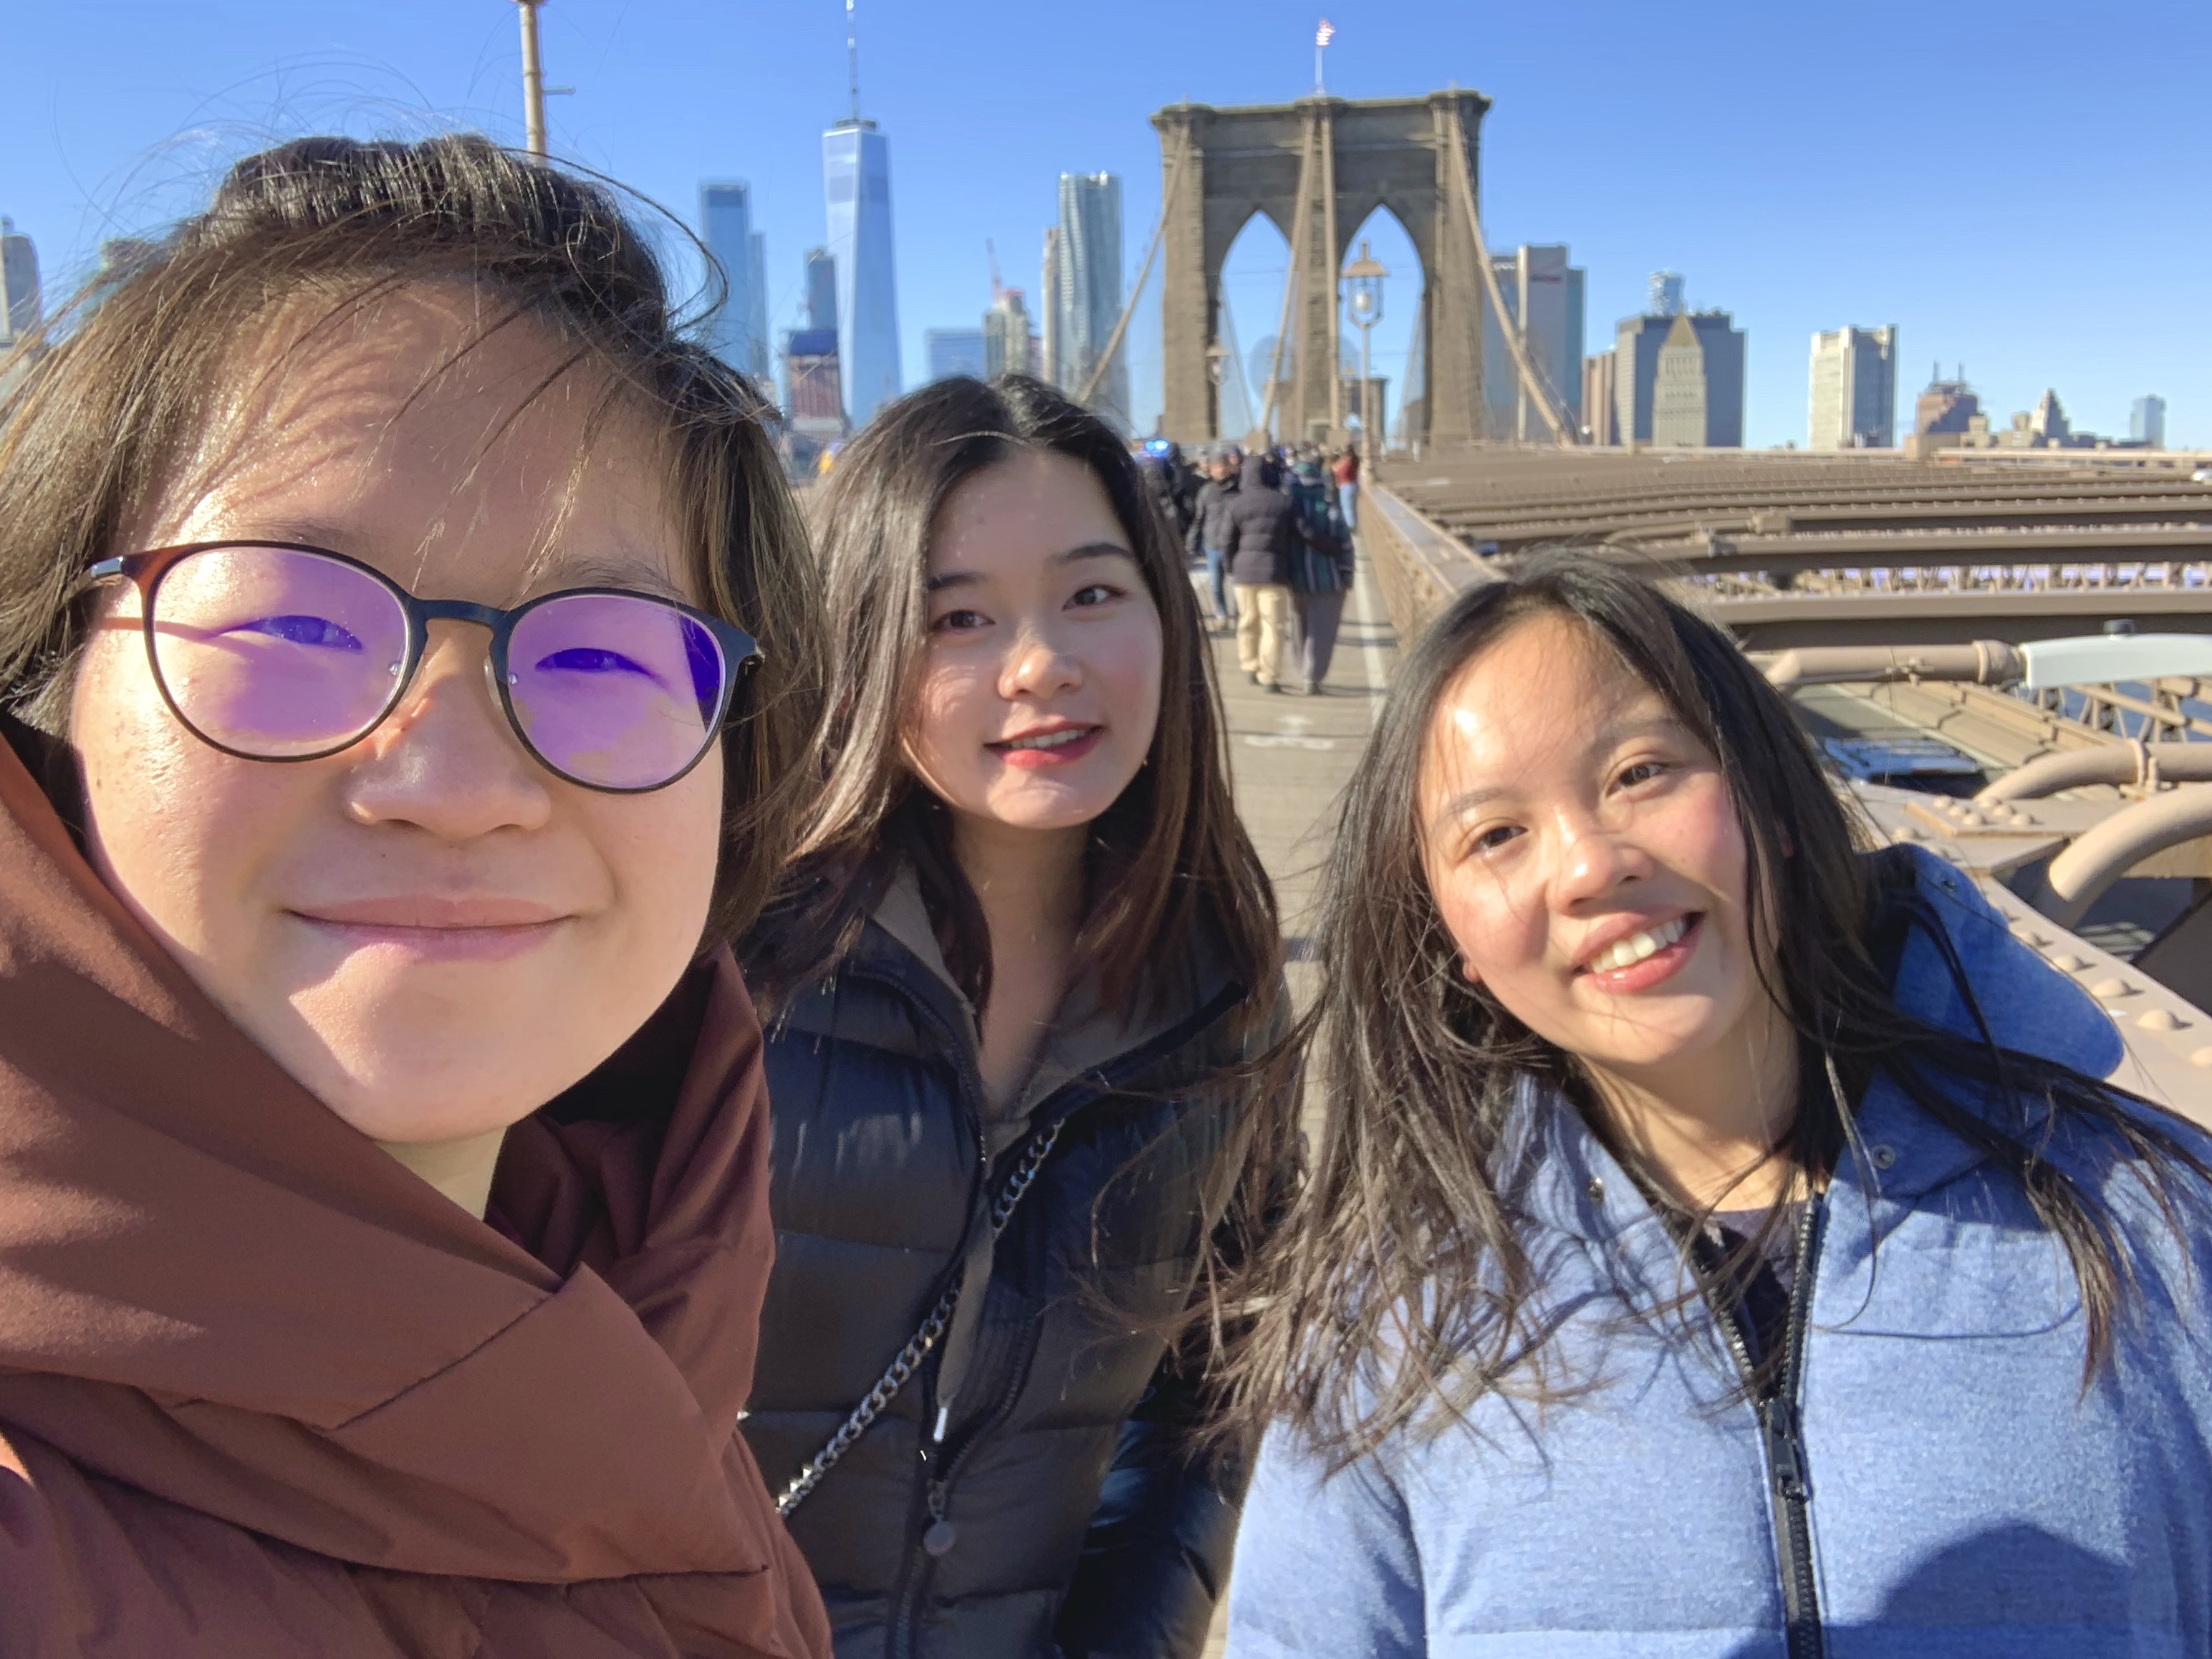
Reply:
x=534, y=82
x=1363, y=275
x=1217, y=364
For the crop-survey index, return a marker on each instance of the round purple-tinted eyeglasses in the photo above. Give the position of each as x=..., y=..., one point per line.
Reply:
x=275, y=652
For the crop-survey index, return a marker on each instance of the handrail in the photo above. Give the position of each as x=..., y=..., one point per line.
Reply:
x=1986, y=662
x=2136, y=763
x=1422, y=567
x=2078, y=877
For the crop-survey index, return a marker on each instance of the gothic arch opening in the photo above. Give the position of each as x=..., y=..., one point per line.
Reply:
x=1395, y=344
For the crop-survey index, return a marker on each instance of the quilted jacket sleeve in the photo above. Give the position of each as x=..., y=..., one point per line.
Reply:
x=1155, y=1564
x=1155, y=1561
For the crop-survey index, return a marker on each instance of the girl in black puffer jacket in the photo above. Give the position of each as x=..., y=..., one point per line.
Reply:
x=1024, y=962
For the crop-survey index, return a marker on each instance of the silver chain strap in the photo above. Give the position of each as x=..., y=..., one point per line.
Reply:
x=918, y=1347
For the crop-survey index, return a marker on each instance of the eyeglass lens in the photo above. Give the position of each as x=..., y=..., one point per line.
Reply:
x=281, y=654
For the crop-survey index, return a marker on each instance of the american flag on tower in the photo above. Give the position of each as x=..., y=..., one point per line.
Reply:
x=1325, y=33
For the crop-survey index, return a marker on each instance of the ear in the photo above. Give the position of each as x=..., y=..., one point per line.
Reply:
x=1466, y=971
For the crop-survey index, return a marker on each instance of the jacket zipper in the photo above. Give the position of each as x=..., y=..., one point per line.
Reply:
x=1782, y=1434
x=906, y=1588
x=1096, y=1085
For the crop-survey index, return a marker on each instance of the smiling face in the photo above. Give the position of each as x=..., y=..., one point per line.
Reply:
x=1040, y=682
x=1587, y=860
x=430, y=931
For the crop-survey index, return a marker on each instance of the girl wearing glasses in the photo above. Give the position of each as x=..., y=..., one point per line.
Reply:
x=1721, y=1244
x=1026, y=952
x=382, y=1141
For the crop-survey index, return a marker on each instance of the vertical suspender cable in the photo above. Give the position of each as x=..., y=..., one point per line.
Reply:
x=1326, y=122
x=1291, y=279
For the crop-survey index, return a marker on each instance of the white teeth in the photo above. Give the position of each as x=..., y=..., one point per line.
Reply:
x=1636, y=947
x=1050, y=740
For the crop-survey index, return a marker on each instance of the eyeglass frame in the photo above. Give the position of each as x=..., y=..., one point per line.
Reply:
x=741, y=652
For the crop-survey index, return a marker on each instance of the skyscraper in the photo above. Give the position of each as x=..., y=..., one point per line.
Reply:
x=2146, y=420
x=756, y=317
x=1049, y=297
x=1666, y=292
x=19, y=266
x=1719, y=364
x=1600, y=411
x=856, y=178
x=1089, y=295
x=1854, y=389
x=1551, y=318
x=1008, y=346
x=1946, y=405
x=738, y=329
x=951, y=352
x=821, y=288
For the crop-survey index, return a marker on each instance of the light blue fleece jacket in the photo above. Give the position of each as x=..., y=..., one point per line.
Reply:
x=1969, y=1498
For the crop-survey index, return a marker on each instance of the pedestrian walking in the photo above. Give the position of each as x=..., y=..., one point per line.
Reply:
x=1321, y=573
x=1346, y=473
x=1721, y=1242
x=1025, y=956
x=1209, y=536
x=383, y=1157
x=1259, y=538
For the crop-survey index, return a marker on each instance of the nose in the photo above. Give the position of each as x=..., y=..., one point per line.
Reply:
x=445, y=760
x=1037, y=668
x=1594, y=860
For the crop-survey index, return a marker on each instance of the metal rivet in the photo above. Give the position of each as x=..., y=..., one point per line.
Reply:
x=1596, y=1189
x=1884, y=1156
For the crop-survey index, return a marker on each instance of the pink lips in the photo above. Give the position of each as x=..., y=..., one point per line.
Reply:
x=1658, y=967
x=1031, y=760
x=437, y=929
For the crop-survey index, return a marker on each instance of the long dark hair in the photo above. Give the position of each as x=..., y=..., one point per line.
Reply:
x=1168, y=858
x=112, y=395
x=1399, y=1290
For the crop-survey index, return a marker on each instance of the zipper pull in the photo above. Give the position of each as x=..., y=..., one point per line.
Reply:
x=941, y=1534
x=1785, y=1449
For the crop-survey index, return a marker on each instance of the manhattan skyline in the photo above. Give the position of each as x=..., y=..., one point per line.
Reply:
x=1949, y=172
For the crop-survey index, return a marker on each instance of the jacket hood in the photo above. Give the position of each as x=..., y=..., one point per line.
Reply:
x=1085, y=1032
x=1259, y=473
x=219, y=1294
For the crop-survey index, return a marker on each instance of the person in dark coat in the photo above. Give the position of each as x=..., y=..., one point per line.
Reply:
x=1208, y=537
x=1321, y=573
x=1009, y=995
x=1262, y=532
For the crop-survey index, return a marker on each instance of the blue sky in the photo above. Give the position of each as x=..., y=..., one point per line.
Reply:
x=2020, y=186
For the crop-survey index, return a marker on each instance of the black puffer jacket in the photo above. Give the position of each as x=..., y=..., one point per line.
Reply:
x=1209, y=521
x=1262, y=530
x=1065, y=1511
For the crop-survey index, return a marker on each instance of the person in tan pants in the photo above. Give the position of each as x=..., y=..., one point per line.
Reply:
x=1264, y=614
x=1261, y=532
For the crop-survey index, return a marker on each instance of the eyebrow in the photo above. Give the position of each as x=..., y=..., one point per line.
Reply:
x=1607, y=738
x=945, y=579
x=548, y=575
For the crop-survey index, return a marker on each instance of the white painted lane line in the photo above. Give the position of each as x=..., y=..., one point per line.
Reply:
x=1370, y=656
